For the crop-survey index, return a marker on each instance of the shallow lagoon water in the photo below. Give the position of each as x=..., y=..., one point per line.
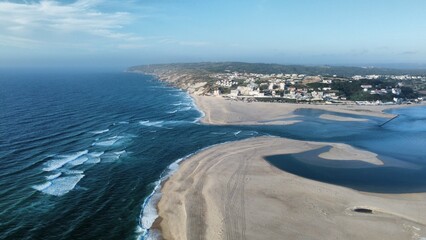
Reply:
x=362, y=176
x=80, y=153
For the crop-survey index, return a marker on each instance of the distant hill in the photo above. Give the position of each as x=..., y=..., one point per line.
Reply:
x=266, y=68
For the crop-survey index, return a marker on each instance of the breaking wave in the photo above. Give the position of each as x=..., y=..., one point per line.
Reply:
x=59, y=186
x=100, y=131
x=63, y=159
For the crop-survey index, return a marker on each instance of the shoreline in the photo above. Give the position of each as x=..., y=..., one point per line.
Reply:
x=208, y=107
x=152, y=221
x=221, y=111
x=203, y=199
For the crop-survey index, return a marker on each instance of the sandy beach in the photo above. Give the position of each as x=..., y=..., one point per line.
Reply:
x=220, y=111
x=230, y=192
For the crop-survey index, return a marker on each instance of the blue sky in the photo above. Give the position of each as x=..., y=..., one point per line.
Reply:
x=114, y=33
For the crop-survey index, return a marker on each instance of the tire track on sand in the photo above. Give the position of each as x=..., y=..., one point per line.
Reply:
x=196, y=211
x=234, y=201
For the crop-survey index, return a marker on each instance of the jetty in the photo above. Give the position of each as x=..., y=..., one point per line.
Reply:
x=381, y=125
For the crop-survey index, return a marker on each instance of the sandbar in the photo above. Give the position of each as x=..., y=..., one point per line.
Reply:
x=221, y=111
x=230, y=191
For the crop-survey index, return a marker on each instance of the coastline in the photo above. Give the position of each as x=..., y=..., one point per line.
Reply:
x=219, y=111
x=230, y=192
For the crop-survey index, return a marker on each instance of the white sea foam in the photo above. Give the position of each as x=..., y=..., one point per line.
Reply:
x=185, y=109
x=93, y=160
x=110, y=157
x=61, y=186
x=174, y=111
x=94, y=157
x=95, y=154
x=70, y=172
x=108, y=142
x=149, y=210
x=120, y=123
x=78, y=161
x=182, y=104
x=120, y=152
x=53, y=176
x=164, y=124
x=63, y=159
x=202, y=114
x=100, y=131
x=146, y=216
x=237, y=132
x=152, y=124
x=154, y=234
x=42, y=186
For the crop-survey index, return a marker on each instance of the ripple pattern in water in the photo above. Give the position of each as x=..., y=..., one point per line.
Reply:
x=80, y=153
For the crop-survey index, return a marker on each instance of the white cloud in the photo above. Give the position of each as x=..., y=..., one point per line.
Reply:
x=168, y=40
x=49, y=21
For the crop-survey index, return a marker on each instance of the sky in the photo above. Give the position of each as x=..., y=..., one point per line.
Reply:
x=122, y=33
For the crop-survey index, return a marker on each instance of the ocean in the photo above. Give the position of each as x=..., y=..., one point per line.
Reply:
x=81, y=154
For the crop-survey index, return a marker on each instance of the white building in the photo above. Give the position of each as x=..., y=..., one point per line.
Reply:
x=234, y=93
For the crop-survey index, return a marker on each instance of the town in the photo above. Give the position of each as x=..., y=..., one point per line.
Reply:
x=301, y=88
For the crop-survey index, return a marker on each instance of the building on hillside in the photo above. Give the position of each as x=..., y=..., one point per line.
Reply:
x=366, y=87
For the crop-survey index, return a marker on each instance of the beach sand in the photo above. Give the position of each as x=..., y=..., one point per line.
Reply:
x=230, y=192
x=221, y=111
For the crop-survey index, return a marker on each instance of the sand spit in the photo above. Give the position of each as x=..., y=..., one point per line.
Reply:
x=221, y=111
x=340, y=118
x=230, y=192
x=342, y=152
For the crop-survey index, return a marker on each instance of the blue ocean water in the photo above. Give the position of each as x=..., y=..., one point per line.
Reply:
x=81, y=153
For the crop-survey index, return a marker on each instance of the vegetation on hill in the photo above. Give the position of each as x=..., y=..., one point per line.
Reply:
x=202, y=78
x=266, y=68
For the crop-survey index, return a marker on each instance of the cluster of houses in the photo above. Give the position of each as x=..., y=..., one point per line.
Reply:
x=291, y=86
x=393, y=90
x=393, y=77
x=272, y=85
x=230, y=79
x=255, y=84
